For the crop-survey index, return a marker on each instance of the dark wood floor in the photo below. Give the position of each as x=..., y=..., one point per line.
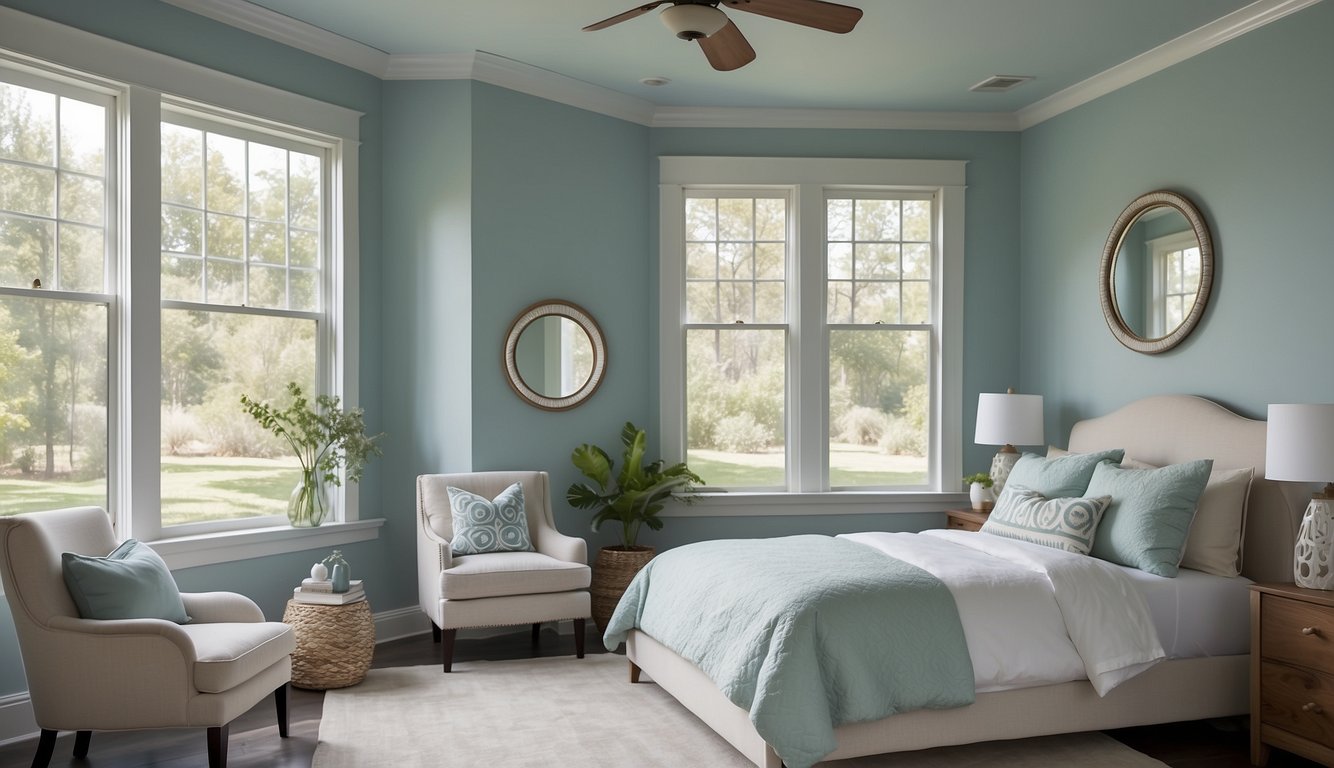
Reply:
x=255, y=744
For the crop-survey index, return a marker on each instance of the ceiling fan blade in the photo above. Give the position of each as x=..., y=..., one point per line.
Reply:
x=830, y=17
x=617, y=19
x=727, y=49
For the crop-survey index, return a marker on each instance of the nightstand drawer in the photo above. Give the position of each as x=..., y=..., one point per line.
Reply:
x=1298, y=633
x=1297, y=700
x=965, y=519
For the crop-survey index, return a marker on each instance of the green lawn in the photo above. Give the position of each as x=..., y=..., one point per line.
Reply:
x=739, y=474
x=195, y=489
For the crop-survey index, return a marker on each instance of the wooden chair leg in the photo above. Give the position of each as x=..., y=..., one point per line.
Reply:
x=217, y=746
x=537, y=631
x=81, y=741
x=579, y=638
x=634, y=672
x=45, y=746
x=447, y=647
x=280, y=701
x=435, y=633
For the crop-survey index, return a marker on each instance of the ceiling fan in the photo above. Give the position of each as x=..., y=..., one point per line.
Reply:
x=722, y=42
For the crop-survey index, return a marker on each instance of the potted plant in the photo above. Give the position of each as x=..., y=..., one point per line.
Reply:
x=325, y=438
x=633, y=498
x=979, y=491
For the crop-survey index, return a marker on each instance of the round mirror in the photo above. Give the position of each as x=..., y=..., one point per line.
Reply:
x=555, y=355
x=1156, y=272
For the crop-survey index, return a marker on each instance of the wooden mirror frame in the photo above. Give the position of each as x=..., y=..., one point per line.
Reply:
x=1106, y=284
x=569, y=311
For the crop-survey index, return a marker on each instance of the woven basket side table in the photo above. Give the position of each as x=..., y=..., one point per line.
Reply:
x=334, y=643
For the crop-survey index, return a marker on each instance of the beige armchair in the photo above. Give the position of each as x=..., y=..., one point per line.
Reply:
x=86, y=675
x=499, y=588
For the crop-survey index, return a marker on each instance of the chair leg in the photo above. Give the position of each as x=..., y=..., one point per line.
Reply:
x=280, y=701
x=81, y=741
x=435, y=633
x=45, y=746
x=537, y=631
x=447, y=647
x=217, y=746
x=579, y=638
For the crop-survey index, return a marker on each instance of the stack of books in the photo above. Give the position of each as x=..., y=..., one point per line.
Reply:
x=321, y=591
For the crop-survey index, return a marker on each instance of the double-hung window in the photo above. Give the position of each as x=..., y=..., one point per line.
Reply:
x=810, y=325
x=1176, y=279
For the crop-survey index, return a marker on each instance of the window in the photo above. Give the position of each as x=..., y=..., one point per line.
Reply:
x=810, y=322
x=242, y=289
x=1176, y=280
x=56, y=257
x=121, y=375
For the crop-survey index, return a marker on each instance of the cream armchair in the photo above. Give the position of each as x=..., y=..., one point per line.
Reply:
x=500, y=588
x=86, y=675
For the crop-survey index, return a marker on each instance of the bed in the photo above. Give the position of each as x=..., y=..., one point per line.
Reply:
x=1212, y=680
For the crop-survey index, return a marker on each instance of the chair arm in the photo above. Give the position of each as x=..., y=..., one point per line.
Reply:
x=220, y=607
x=433, y=556
x=553, y=543
x=152, y=631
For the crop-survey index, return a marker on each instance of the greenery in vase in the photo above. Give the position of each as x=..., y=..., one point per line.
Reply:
x=980, y=477
x=637, y=494
x=324, y=437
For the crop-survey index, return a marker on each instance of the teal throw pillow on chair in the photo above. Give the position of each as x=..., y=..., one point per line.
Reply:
x=132, y=582
x=484, y=525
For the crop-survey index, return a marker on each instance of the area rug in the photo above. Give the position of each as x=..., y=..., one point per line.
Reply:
x=563, y=712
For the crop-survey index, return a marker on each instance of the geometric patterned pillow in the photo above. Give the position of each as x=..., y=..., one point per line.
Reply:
x=482, y=526
x=1064, y=523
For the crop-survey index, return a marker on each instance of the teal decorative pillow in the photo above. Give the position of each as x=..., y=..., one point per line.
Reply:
x=1147, y=524
x=1059, y=477
x=1063, y=523
x=130, y=583
x=481, y=525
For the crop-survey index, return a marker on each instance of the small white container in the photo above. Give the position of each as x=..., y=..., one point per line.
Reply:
x=319, y=572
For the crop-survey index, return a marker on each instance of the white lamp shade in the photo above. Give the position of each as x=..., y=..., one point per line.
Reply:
x=1008, y=419
x=1299, y=443
x=689, y=21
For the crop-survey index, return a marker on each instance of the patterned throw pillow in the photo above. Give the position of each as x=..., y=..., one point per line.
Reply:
x=482, y=526
x=1064, y=523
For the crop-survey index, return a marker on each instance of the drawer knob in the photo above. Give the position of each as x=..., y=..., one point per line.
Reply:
x=1311, y=631
x=1312, y=707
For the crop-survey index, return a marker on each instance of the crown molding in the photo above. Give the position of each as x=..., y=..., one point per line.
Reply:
x=1172, y=52
x=740, y=117
x=535, y=81
x=275, y=26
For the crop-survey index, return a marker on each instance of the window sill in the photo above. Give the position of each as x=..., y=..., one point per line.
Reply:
x=229, y=546
x=780, y=503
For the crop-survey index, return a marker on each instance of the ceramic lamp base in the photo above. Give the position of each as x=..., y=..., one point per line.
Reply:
x=1001, y=465
x=1313, y=559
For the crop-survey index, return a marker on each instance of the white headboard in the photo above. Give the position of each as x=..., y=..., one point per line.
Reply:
x=1169, y=429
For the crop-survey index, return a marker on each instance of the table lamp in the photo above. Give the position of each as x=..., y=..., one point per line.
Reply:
x=1007, y=420
x=1299, y=447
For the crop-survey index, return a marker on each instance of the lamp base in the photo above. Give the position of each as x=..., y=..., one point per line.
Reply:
x=1001, y=464
x=1313, y=558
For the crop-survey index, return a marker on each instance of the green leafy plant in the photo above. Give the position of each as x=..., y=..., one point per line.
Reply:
x=980, y=477
x=324, y=437
x=637, y=494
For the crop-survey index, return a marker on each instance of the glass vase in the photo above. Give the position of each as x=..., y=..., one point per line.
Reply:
x=308, y=503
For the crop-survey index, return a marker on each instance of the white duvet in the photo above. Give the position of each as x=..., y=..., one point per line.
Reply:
x=1034, y=615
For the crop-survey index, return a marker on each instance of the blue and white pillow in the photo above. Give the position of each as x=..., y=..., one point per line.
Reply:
x=1068, y=523
x=482, y=526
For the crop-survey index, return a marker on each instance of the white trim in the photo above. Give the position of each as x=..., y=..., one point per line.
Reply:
x=1172, y=52
x=779, y=504
x=868, y=119
x=398, y=623
x=17, y=721
x=826, y=171
x=261, y=21
x=430, y=66
x=229, y=546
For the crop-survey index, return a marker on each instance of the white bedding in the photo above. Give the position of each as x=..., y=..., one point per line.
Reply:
x=1034, y=615
x=1198, y=614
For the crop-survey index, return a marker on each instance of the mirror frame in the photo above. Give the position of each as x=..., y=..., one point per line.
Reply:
x=569, y=311
x=1106, y=288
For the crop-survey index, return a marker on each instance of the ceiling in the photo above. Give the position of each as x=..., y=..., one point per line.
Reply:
x=908, y=55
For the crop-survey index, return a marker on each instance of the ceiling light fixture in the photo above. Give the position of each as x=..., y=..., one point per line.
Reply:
x=690, y=21
x=655, y=81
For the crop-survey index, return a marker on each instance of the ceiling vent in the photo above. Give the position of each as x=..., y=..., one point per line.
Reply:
x=1000, y=83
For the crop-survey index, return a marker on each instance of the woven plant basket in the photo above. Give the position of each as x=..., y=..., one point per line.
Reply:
x=612, y=572
x=334, y=643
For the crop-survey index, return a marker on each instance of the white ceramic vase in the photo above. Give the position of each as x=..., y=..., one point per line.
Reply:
x=981, y=496
x=1313, y=559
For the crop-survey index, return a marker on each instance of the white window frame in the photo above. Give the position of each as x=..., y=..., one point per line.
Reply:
x=141, y=81
x=807, y=443
x=1160, y=248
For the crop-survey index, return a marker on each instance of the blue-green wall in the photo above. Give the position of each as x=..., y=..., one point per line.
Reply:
x=1244, y=131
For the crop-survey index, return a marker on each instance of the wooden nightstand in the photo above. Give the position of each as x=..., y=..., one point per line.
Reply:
x=966, y=519
x=1292, y=672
